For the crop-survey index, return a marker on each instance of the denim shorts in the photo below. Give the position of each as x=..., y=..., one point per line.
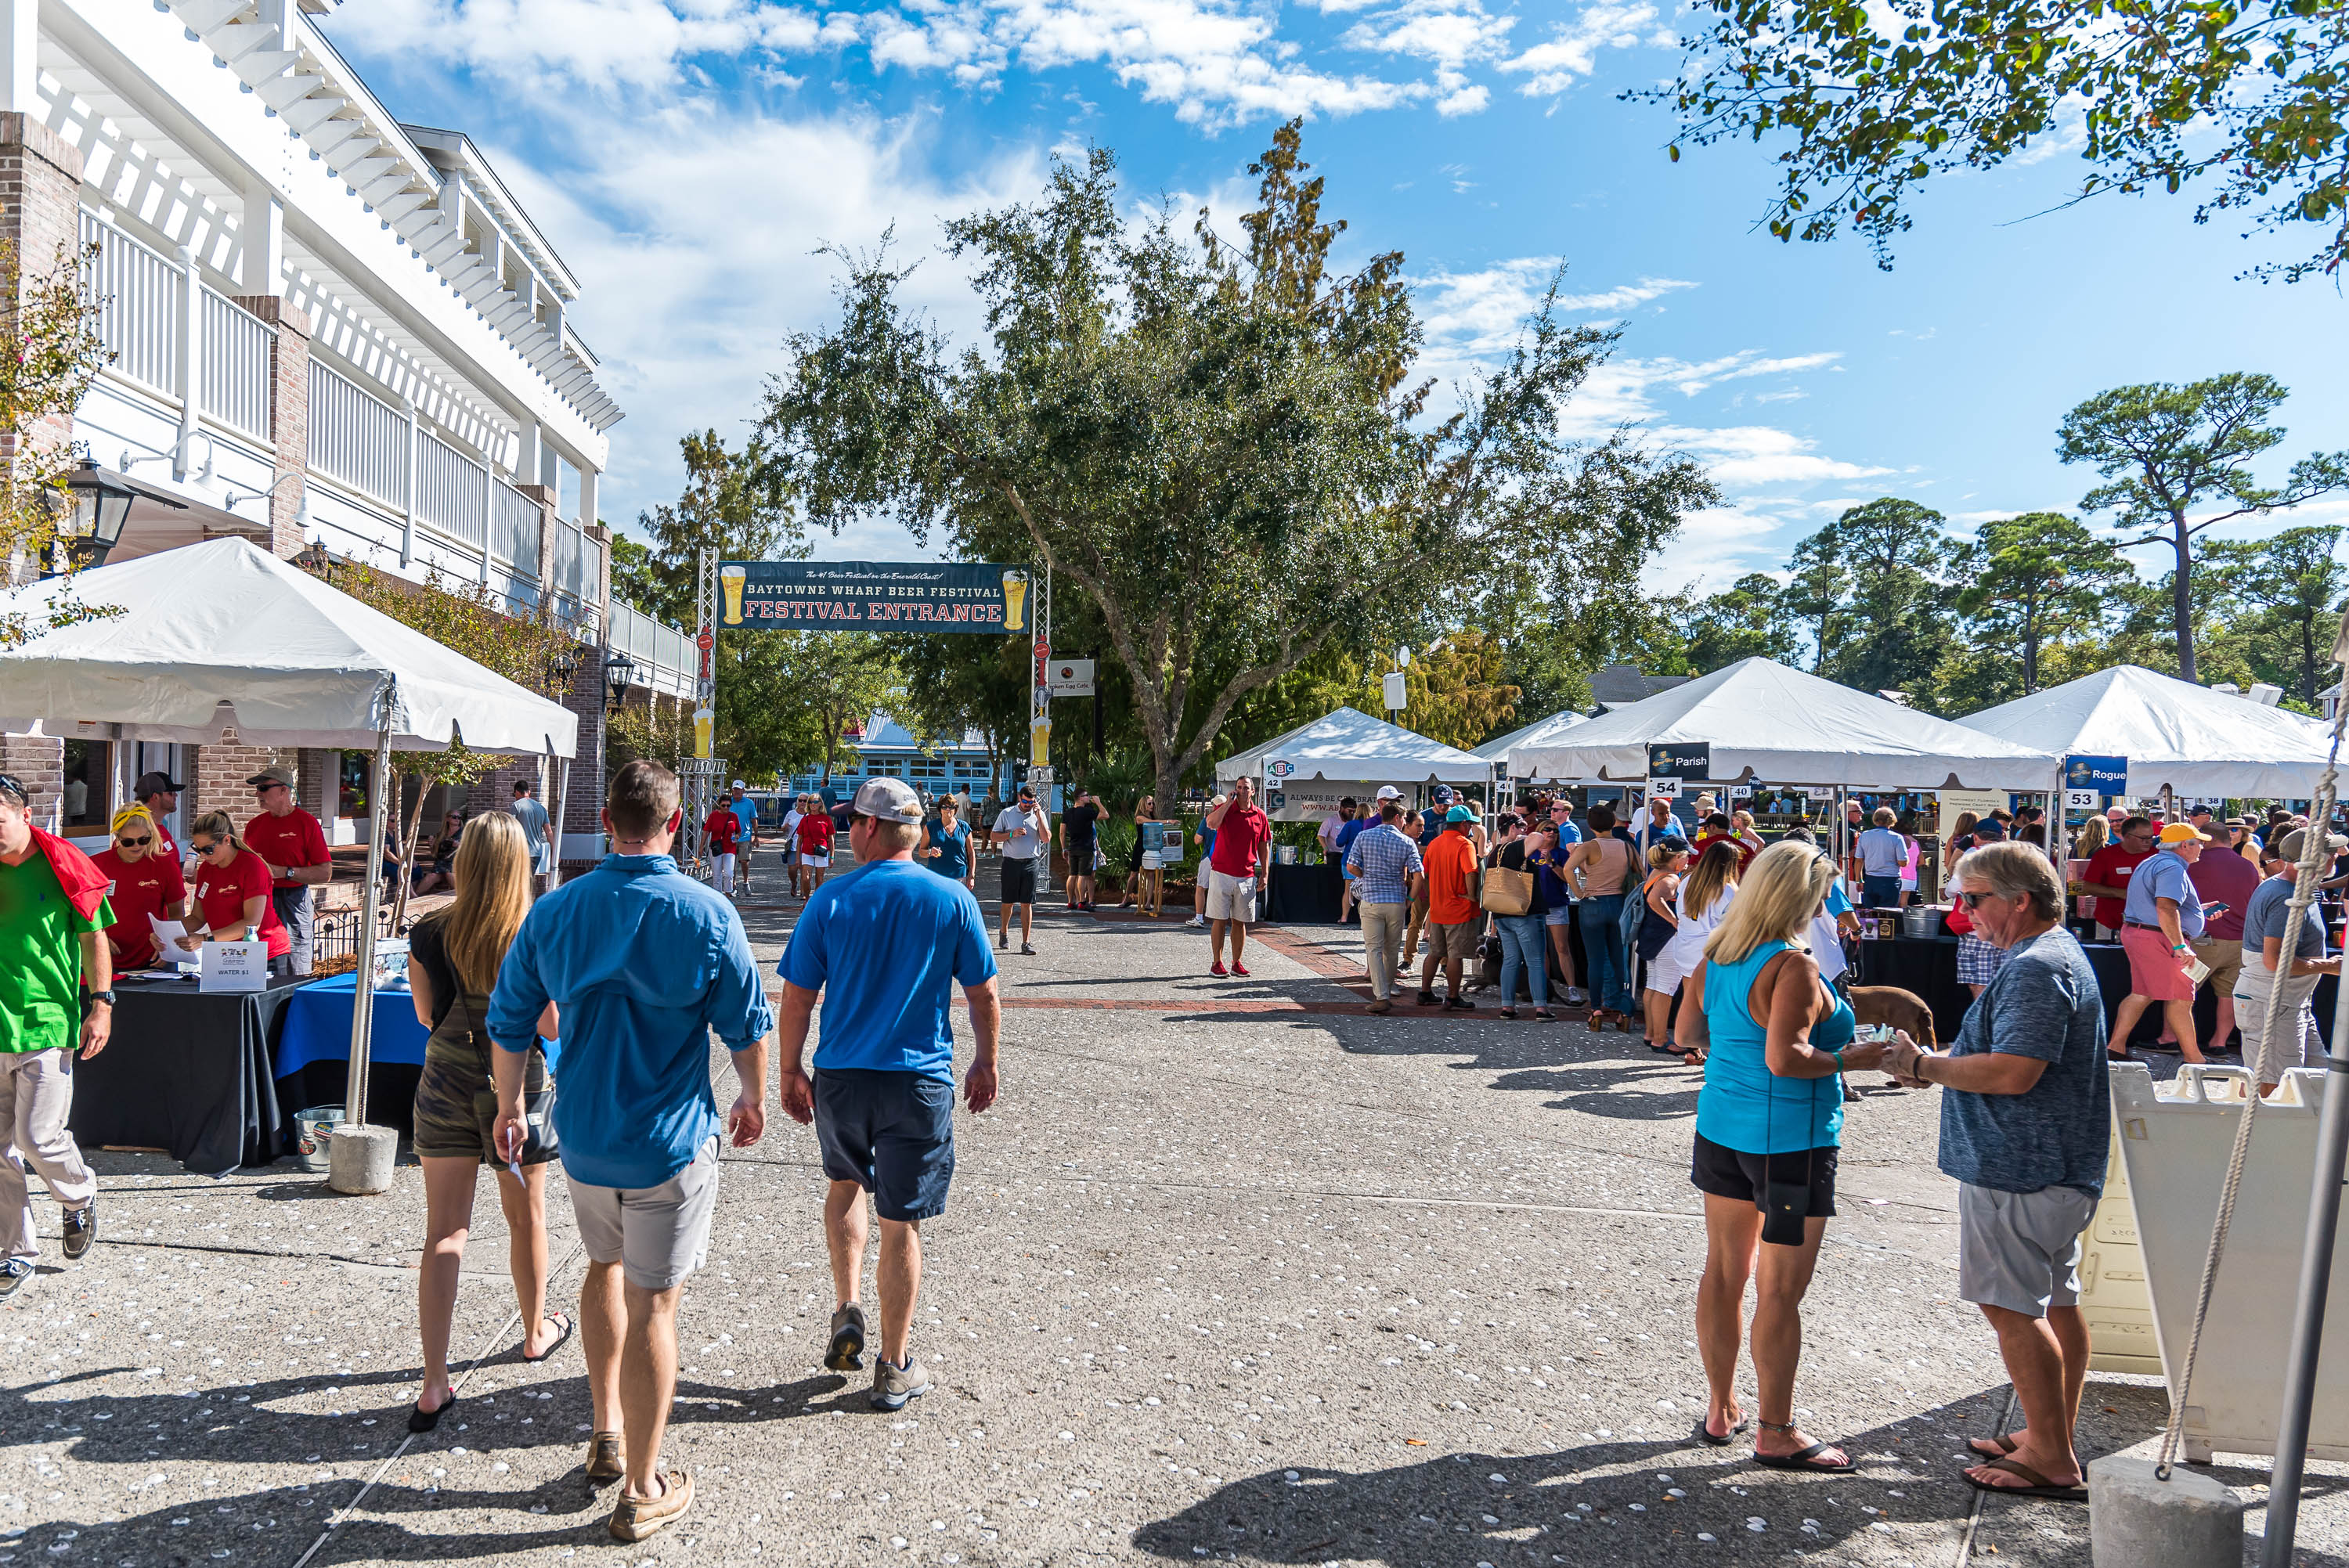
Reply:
x=1559, y=914
x=892, y=1133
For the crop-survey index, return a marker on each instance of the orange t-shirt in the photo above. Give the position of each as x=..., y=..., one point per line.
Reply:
x=1451, y=863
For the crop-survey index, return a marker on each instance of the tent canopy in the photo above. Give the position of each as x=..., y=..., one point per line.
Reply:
x=225, y=636
x=1537, y=733
x=2193, y=739
x=1348, y=752
x=1766, y=722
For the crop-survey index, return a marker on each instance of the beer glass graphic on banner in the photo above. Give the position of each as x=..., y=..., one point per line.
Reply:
x=705, y=722
x=729, y=581
x=1015, y=600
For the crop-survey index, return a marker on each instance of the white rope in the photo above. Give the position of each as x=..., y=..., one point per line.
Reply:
x=2314, y=860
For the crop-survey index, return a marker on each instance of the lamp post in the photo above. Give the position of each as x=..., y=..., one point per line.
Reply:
x=619, y=672
x=91, y=516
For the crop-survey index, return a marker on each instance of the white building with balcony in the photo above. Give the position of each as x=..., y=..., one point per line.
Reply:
x=329, y=328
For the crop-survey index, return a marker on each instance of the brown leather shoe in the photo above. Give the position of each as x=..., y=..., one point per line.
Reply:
x=607, y=1460
x=1382, y=1006
x=637, y=1517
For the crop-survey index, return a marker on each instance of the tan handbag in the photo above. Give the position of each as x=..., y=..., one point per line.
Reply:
x=1505, y=891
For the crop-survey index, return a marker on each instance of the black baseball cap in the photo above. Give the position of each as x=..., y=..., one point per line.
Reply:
x=156, y=783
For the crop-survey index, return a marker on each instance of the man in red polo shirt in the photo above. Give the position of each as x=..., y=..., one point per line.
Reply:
x=2110, y=868
x=1235, y=871
x=292, y=845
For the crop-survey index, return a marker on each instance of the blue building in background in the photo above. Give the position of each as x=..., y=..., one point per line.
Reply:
x=887, y=750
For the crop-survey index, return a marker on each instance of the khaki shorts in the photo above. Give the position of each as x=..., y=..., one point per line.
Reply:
x=1230, y=897
x=657, y=1235
x=2226, y=962
x=2021, y=1251
x=1445, y=942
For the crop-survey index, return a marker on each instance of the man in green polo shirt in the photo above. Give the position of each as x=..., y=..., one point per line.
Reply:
x=52, y=908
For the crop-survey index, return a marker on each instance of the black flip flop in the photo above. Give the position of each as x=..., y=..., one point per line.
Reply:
x=1704, y=1436
x=419, y=1419
x=1804, y=1460
x=569, y=1324
x=2037, y=1485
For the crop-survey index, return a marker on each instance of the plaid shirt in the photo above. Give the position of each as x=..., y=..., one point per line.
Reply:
x=1384, y=858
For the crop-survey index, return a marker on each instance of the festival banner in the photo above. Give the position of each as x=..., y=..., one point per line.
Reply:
x=874, y=596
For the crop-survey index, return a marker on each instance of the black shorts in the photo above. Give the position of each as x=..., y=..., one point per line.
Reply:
x=1080, y=858
x=1731, y=1174
x=892, y=1133
x=1019, y=880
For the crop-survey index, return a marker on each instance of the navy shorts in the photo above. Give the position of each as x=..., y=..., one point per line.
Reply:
x=892, y=1134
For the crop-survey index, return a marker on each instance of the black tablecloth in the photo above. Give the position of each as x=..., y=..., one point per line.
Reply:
x=1928, y=966
x=1304, y=895
x=188, y=1073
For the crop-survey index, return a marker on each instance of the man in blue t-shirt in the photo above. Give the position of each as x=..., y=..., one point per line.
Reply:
x=2025, y=1127
x=643, y=965
x=885, y=945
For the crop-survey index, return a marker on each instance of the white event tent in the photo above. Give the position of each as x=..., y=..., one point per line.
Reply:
x=2174, y=734
x=1767, y=723
x=1348, y=752
x=223, y=643
x=1539, y=732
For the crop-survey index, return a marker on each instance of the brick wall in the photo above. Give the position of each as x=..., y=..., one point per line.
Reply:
x=40, y=208
x=218, y=783
x=39, y=762
x=584, y=802
x=289, y=417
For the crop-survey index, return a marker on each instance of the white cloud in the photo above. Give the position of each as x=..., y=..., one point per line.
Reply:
x=1573, y=48
x=687, y=312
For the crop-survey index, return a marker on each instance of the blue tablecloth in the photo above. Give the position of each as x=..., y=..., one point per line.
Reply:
x=317, y=1027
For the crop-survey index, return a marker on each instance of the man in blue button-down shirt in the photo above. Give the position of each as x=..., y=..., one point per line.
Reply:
x=644, y=964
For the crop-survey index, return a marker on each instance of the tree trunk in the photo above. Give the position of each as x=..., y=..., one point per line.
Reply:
x=406, y=847
x=2181, y=599
x=2308, y=658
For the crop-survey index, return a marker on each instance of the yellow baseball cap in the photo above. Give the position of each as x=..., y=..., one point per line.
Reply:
x=2183, y=834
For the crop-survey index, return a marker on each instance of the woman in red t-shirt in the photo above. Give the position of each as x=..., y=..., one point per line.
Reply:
x=816, y=846
x=232, y=889
x=146, y=887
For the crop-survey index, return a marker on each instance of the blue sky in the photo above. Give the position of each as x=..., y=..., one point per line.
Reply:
x=687, y=157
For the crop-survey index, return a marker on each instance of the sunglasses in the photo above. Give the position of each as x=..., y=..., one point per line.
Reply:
x=1973, y=899
x=136, y=843
x=204, y=848
x=12, y=785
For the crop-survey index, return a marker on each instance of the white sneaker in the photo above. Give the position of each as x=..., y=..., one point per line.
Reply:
x=1196, y=923
x=1576, y=995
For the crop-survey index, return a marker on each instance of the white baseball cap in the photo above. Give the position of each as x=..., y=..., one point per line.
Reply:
x=740, y=785
x=1389, y=792
x=887, y=801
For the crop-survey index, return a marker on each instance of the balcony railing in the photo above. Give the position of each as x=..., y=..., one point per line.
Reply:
x=138, y=294
x=452, y=492
x=237, y=353
x=357, y=437
x=663, y=655
x=167, y=329
x=513, y=529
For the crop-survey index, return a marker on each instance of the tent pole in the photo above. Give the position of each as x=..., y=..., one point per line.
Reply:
x=2308, y=1315
x=355, y=1085
x=561, y=766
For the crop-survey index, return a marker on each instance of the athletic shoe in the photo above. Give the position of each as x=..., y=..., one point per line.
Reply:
x=1239, y=969
x=1197, y=923
x=1028, y=949
x=848, y=1339
x=1459, y=1005
x=1575, y=996
x=1427, y=998
x=1217, y=970
x=81, y=1230
x=1002, y=939
x=637, y=1517
x=893, y=1384
x=14, y=1273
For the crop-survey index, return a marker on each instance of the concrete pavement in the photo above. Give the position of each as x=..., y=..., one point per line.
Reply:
x=1234, y=1271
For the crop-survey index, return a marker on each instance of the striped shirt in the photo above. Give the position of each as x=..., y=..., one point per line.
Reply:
x=1385, y=859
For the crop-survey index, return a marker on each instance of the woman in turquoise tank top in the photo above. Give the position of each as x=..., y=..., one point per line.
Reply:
x=1778, y=1041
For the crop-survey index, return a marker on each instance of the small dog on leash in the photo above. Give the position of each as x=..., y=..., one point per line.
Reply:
x=1891, y=1005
